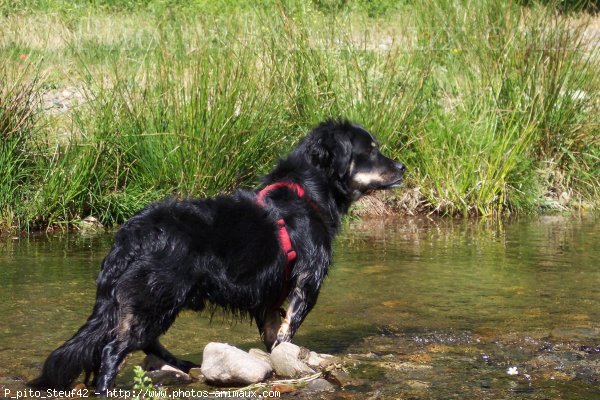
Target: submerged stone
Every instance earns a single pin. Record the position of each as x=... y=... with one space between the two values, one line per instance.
x=162 y=373
x=168 y=377
x=284 y=388
x=339 y=377
x=320 y=385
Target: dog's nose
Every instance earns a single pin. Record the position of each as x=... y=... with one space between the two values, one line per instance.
x=400 y=167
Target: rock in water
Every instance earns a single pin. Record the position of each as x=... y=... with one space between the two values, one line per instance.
x=153 y=363
x=196 y=373
x=321 y=361
x=287 y=361
x=165 y=377
x=162 y=373
x=227 y=365
x=261 y=355
x=320 y=385
x=338 y=377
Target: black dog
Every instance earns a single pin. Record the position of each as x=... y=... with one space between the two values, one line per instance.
x=247 y=252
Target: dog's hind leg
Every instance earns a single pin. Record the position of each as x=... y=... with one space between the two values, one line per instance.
x=113 y=355
x=157 y=349
x=131 y=334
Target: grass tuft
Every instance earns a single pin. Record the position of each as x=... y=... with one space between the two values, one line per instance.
x=18 y=123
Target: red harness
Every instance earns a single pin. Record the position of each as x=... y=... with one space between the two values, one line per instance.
x=283 y=234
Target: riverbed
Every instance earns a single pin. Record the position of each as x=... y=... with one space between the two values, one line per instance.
x=417 y=308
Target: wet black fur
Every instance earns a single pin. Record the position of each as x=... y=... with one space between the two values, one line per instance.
x=224 y=251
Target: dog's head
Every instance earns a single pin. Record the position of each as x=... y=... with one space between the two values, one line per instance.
x=349 y=154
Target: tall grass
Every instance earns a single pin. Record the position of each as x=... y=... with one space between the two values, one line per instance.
x=18 y=115
x=493 y=106
x=516 y=91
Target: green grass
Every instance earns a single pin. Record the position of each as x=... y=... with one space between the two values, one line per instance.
x=492 y=105
x=512 y=96
x=17 y=123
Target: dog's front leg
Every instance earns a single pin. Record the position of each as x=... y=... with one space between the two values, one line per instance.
x=302 y=301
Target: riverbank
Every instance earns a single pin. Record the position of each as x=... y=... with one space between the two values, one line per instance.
x=493 y=106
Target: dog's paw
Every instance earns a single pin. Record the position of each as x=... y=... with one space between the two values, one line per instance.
x=275 y=344
x=284 y=333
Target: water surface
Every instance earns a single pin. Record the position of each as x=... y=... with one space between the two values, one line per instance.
x=424 y=309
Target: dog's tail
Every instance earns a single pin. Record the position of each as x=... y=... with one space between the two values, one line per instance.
x=80 y=353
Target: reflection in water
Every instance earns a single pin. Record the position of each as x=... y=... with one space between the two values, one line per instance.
x=426 y=308
x=526 y=277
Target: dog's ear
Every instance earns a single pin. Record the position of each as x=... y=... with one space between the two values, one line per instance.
x=331 y=152
x=342 y=156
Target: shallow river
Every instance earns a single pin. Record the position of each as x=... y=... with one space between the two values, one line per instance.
x=419 y=309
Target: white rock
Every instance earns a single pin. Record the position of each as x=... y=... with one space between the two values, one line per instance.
x=287 y=361
x=261 y=355
x=227 y=365
x=313 y=360
x=328 y=360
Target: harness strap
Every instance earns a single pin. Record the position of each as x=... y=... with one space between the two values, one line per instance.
x=284 y=237
x=285 y=241
x=260 y=199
